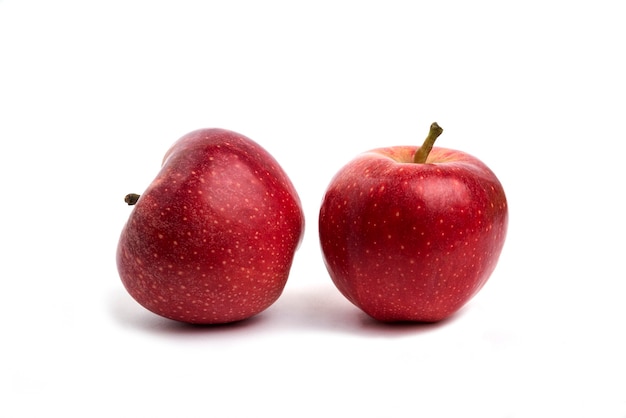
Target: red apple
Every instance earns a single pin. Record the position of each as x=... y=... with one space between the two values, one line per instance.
x=213 y=237
x=412 y=233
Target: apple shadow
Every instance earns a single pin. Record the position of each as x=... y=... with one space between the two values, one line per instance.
x=313 y=308
x=323 y=308
x=129 y=314
x=372 y=326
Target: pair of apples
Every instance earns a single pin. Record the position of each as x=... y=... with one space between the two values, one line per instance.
x=407 y=233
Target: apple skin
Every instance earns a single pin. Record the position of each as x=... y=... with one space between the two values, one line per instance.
x=405 y=241
x=213 y=237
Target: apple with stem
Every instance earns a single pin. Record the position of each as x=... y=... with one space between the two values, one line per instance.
x=213 y=237
x=412 y=233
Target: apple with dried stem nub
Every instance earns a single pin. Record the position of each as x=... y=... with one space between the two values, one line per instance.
x=213 y=237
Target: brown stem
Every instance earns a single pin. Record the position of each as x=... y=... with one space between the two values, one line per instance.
x=422 y=153
x=131 y=198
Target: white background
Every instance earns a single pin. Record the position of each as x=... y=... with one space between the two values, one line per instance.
x=93 y=93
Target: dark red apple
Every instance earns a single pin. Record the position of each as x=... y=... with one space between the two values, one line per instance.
x=213 y=238
x=412 y=233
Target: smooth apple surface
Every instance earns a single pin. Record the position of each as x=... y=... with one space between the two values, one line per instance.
x=408 y=241
x=213 y=238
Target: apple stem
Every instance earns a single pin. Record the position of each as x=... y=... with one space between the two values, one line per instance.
x=131 y=198
x=422 y=153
